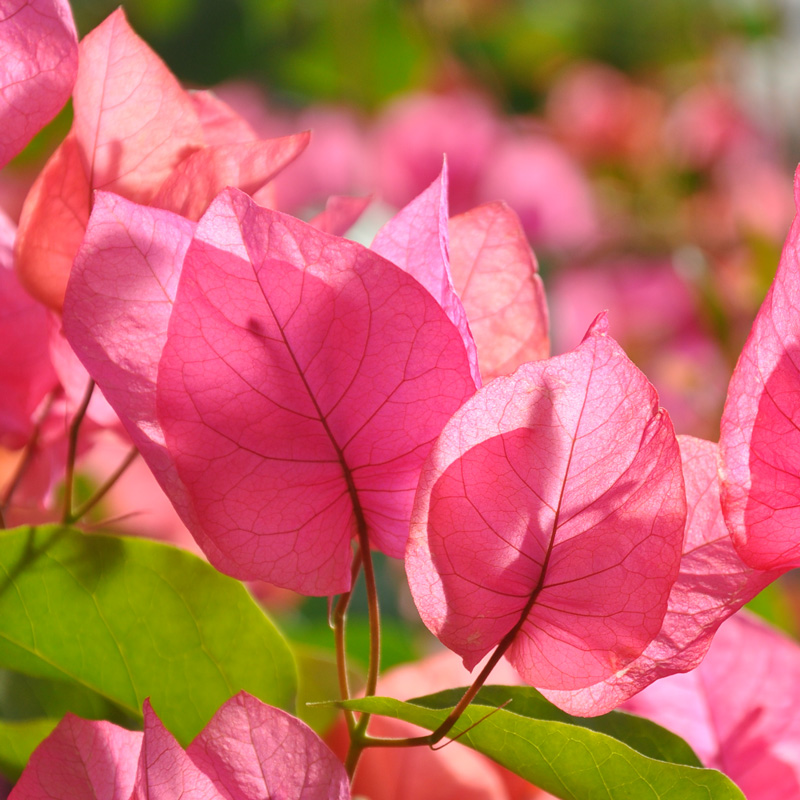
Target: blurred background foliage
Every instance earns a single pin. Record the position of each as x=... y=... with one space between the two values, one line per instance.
x=362 y=52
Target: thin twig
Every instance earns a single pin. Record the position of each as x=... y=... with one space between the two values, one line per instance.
x=339 y=618
x=74 y=430
x=104 y=489
x=358 y=736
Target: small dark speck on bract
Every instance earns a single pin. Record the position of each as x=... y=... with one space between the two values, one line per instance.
x=255 y=326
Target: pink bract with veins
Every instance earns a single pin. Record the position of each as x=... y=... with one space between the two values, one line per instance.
x=248 y=751
x=552 y=509
x=496 y=276
x=292 y=359
x=137 y=133
x=759 y=435
x=38 y=65
x=713 y=584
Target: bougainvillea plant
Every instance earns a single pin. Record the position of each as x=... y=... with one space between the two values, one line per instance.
x=304 y=400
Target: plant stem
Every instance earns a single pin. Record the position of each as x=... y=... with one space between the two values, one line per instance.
x=104 y=489
x=27 y=455
x=74 y=430
x=359 y=734
x=339 y=617
x=468 y=696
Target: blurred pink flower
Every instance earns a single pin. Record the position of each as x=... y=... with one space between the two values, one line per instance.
x=600 y=113
x=413 y=133
x=546 y=188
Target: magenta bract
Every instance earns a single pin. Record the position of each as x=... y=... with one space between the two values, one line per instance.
x=82 y=758
x=759 y=436
x=38 y=65
x=553 y=501
x=300 y=386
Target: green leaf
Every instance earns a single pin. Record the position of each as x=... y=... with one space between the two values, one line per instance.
x=613 y=757
x=132 y=618
x=18 y=740
x=318 y=685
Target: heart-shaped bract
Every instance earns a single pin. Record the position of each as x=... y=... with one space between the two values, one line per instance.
x=296 y=394
x=551 y=510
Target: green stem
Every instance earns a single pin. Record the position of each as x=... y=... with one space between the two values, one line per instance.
x=74 y=430
x=359 y=734
x=339 y=618
x=104 y=489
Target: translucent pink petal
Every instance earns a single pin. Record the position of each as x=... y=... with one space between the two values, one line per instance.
x=133 y=122
x=165 y=771
x=251 y=750
x=552 y=501
x=496 y=276
x=340 y=214
x=81 y=758
x=713 y=584
x=759 y=434
x=26 y=374
x=197 y=180
x=38 y=65
x=416 y=240
x=220 y=123
x=52 y=223
x=738 y=709
x=116 y=314
x=303 y=382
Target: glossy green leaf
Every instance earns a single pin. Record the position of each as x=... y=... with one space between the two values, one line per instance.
x=131 y=618
x=613 y=757
x=18 y=740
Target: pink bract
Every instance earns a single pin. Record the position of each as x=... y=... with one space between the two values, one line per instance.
x=738 y=709
x=552 y=506
x=759 y=437
x=713 y=584
x=137 y=133
x=496 y=276
x=303 y=381
x=416 y=240
x=251 y=750
x=247 y=751
x=82 y=758
x=38 y=65
x=293 y=359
